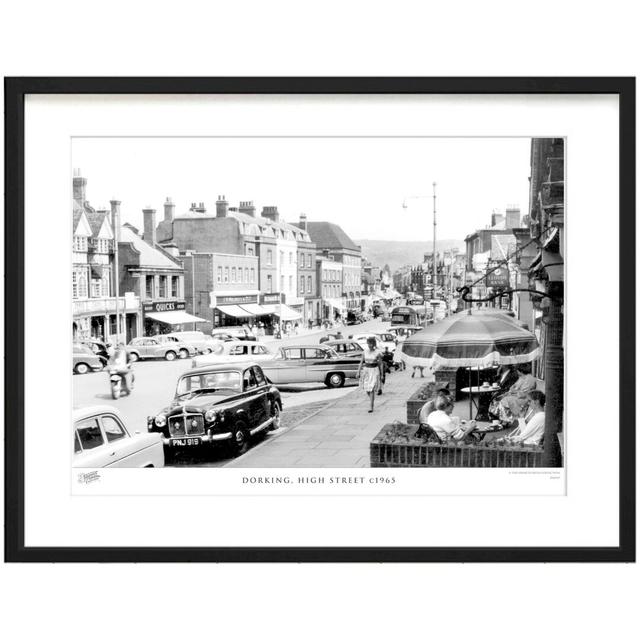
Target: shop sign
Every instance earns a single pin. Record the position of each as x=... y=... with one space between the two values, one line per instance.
x=159 y=307
x=220 y=300
x=498 y=279
x=270 y=298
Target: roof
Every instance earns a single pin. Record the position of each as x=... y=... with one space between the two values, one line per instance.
x=267 y=222
x=149 y=256
x=80 y=413
x=96 y=219
x=328 y=235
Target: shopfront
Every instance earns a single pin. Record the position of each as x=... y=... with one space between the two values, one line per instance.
x=168 y=316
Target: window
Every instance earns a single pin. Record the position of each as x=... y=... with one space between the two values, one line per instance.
x=74 y=284
x=149 y=287
x=238 y=350
x=309 y=260
x=233 y=274
x=282 y=257
x=246 y=274
x=318 y=354
x=290 y=283
x=281 y=283
x=290 y=257
x=258 y=349
x=105 y=284
x=79 y=243
x=257 y=371
x=269 y=284
x=248 y=380
x=82 y=285
x=174 y=286
x=249 y=250
x=269 y=257
x=309 y=284
x=294 y=354
x=226 y=274
x=219 y=275
x=96 y=288
x=301 y=285
x=89 y=434
x=112 y=429
x=253 y=275
x=163 y=287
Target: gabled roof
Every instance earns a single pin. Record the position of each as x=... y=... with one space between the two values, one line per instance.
x=328 y=235
x=81 y=225
x=96 y=219
x=149 y=256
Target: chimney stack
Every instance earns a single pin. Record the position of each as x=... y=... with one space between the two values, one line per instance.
x=303 y=221
x=271 y=213
x=222 y=206
x=115 y=218
x=247 y=207
x=496 y=218
x=513 y=217
x=169 y=210
x=149 y=216
x=79 y=187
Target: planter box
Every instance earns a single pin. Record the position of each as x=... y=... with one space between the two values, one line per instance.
x=417 y=400
x=396 y=446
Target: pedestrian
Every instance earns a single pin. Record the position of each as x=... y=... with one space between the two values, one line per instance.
x=295 y=329
x=371 y=363
x=310 y=323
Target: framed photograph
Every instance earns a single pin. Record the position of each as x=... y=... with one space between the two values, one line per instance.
x=320 y=319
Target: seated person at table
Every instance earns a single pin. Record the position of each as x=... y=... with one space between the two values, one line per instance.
x=530 y=429
x=430 y=406
x=446 y=426
x=507 y=376
x=508 y=407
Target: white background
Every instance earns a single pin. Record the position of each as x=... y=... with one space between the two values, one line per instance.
x=330 y=39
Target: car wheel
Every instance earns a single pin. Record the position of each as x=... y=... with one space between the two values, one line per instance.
x=276 y=415
x=81 y=368
x=134 y=357
x=170 y=355
x=183 y=354
x=240 y=439
x=335 y=380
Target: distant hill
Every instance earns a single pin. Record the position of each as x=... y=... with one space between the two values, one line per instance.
x=395 y=253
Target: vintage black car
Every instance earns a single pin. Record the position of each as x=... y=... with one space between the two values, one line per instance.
x=223 y=404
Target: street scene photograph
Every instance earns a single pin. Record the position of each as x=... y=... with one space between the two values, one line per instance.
x=318 y=302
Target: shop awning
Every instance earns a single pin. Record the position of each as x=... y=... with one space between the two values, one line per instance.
x=174 y=317
x=287 y=312
x=234 y=310
x=256 y=309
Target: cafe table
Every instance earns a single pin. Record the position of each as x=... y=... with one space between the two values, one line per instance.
x=483 y=394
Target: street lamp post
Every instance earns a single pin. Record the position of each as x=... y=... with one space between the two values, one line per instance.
x=115 y=221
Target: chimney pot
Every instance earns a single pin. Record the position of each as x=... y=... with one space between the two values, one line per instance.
x=222 y=207
x=169 y=210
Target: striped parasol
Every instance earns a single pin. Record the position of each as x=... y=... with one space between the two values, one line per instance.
x=470 y=340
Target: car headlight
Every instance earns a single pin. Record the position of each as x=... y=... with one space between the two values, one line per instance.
x=160 y=420
x=210 y=415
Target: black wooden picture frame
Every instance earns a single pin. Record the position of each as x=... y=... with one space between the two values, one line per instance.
x=15 y=91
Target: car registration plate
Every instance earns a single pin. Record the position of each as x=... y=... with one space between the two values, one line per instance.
x=185 y=442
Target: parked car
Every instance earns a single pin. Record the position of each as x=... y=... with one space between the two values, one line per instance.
x=201 y=341
x=218 y=404
x=159 y=347
x=310 y=363
x=232 y=333
x=382 y=340
x=85 y=360
x=403 y=332
x=98 y=347
x=331 y=336
x=354 y=317
x=236 y=351
x=100 y=439
x=346 y=348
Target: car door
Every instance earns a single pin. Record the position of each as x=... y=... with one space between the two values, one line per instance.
x=89 y=444
x=148 y=347
x=288 y=367
x=255 y=401
x=318 y=362
x=121 y=449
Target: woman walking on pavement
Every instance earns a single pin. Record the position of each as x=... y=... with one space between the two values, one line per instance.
x=371 y=362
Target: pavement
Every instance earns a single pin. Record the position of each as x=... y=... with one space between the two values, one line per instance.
x=339 y=434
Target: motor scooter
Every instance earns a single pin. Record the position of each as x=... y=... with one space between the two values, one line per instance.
x=121 y=380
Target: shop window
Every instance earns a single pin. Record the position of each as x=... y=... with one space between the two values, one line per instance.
x=219 y=275
x=149 y=287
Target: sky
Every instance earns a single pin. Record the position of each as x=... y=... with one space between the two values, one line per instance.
x=358 y=183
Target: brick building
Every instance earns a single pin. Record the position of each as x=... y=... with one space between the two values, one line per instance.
x=307 y=274
x=330 y=278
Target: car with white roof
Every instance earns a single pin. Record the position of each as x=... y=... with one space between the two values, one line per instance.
x=382 y=340
x=236 y=351
x=101 y=439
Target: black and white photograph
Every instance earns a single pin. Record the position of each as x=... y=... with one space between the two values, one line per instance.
x=318 y=302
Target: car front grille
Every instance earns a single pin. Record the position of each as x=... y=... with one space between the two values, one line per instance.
x=186 y=425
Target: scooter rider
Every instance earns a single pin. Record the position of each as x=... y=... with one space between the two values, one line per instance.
x=120 y=362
